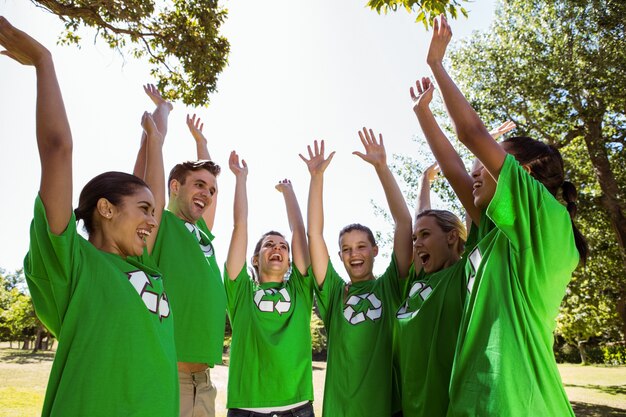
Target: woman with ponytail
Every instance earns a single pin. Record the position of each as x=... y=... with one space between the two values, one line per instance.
x=105 y=306
x=518 y=271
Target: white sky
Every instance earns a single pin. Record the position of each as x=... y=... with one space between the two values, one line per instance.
x=298 y=71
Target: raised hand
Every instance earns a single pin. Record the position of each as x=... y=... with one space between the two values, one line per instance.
x=155 y=95
x=284 y=186
x=431 y=172
x=374 y=150
x=237 y=168
x=442 y=33
x=149 y=126
x=505 y=127
x=20 y=46
x=195 y=126
x=424 y=96
x=316 y=163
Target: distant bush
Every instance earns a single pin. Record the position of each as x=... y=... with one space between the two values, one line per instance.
x=614 y=353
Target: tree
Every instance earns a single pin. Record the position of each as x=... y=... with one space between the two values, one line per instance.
x=558 y=69
x=180 y=38
x=18 y=321
x=426 y=10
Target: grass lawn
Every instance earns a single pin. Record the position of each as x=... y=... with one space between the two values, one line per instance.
x=595 y=391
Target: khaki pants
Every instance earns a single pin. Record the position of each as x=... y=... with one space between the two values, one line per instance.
x=197 y=394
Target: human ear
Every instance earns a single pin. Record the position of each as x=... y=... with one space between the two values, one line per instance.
x=453 y=237
x=375 y=250
x=527 y=168
x=105 y=208
x=174 y=186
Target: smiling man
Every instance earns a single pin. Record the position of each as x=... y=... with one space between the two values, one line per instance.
x=184 y=254
x=183 y=250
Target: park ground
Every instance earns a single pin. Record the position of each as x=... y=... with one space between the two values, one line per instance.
x=595 y=391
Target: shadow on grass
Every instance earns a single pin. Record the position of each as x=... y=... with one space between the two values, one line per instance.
x=608 y=389
x=25 y=356
x=595 y=410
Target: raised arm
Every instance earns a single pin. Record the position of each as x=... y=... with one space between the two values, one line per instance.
x=160 y=117
x=449 y=161
x=154 y=173
x=469 y=128
x=299 y=247
x=376 y=155
x=317 y=164
x=54 y=138
x=504 y=128
x=195 y=126
x=236 y=258
x=423 y=190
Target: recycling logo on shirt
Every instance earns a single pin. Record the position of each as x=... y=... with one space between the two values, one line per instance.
x=201 y=236
x=475 y=259
x=362 y=307
x=156 y=303
x=273 y=299
x=417 y=295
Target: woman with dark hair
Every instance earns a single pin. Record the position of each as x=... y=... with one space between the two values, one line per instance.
x=107 y=309
x=270 y=371
x=527 y=249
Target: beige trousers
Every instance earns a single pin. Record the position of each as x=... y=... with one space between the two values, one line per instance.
x=197 y=394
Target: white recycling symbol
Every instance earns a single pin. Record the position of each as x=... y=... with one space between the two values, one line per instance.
x=373 y=313
x=206 y=249
x=280 y=306
x=475 y=259
x=405 y=311
x=156 y=304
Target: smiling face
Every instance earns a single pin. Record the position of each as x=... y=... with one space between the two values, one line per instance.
x=357 y=254
x=190 y=199
x=484 y=185
x=434 y=248
x=126 y=225
x=272 y=260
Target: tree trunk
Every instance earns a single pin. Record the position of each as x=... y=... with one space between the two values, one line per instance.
x=582 y=350
x=39 y=334
x=610 y=199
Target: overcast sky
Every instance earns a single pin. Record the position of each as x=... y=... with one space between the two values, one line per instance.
x=298 y=71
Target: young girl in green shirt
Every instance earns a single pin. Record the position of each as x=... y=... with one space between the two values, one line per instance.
x=270 y=371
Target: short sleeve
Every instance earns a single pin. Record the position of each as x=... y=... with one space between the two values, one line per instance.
x=525 y=211
x=236 y=289
x=391 y=281
x=51 y=268
x=327 y=292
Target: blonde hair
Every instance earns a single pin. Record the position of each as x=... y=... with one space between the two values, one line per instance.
x=448 y=221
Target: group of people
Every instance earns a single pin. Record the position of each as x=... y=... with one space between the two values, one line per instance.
x=459 y=324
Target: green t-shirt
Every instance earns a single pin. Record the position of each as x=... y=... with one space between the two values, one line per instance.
x=359 y=323
x=427 y=326
x=116 y=354
x=270 y=352
x=185 y=254
x=504 y=363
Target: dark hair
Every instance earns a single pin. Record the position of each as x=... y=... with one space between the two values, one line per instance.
x=180 y=171
x=257 y=248
x=447 y=221
x=546 y=166
x=113 y=186
x=361 y=228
